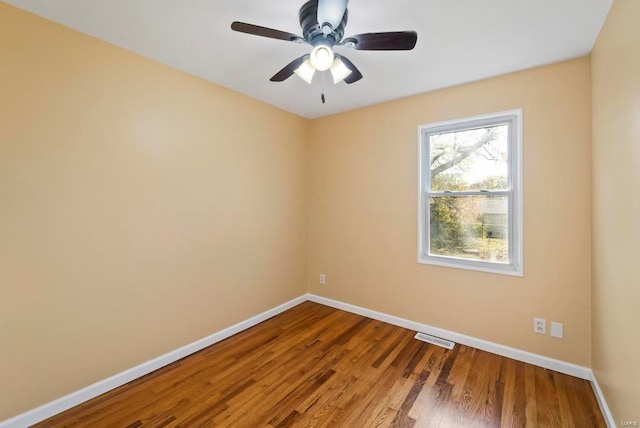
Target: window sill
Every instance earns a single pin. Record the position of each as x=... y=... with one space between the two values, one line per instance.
x=471 y=265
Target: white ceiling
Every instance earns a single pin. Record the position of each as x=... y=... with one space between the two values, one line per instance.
x=458 y=41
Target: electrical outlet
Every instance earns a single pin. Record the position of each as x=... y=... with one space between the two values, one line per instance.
x=323 y=279
x=540 y=325
x=557 y=329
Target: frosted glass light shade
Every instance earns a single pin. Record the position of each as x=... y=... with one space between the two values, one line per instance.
x=331 y=12
x=339 y=71
x=305 y=71
x=321 y=57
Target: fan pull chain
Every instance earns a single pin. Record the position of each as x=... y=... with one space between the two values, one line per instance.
x=322 y=95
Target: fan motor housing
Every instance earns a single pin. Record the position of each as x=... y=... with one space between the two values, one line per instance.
x=311 y=30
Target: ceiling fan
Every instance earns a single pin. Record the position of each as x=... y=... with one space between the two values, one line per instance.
x=323 y=23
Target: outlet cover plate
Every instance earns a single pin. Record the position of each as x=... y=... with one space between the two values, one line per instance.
x=540 y=325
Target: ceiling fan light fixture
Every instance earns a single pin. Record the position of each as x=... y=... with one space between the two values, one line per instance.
x=321 y=57
x=305 y=71
x=339 y=70
x=323 y=25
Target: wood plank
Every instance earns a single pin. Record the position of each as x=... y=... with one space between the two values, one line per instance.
x=317 y=366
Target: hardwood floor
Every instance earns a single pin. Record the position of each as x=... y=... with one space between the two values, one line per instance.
x=318 y=366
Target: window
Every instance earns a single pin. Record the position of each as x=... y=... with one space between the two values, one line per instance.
x=470 y=193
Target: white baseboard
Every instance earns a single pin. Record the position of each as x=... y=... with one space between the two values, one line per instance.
x=608 y=417
x=68 y=401
x=495 y=348
x=64 y=403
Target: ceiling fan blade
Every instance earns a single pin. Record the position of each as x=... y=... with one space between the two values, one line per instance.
x=355 y=73
x=257 y=30
x=389 y=41
x=288 y=69
x=331 y=12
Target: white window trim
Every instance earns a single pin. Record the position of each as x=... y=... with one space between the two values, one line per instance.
x=515 y=268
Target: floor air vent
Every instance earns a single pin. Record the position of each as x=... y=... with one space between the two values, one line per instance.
x=435 y=340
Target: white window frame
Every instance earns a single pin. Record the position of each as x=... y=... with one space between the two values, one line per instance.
x=514 y=193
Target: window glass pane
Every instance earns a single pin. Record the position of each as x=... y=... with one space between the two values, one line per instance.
x=472 y=159
x=469 y=227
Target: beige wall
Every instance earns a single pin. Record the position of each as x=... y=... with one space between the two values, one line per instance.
x=363 y=213
x=140 y=209
x=616 y=209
